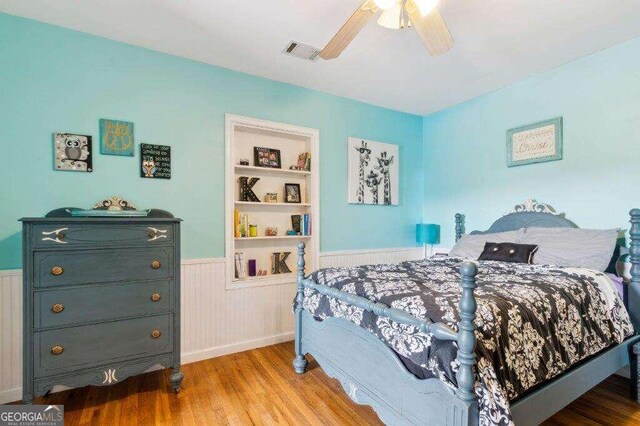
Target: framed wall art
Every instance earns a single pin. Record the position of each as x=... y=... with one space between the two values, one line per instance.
x=373 y=172
x=155 y=161
x=116 y=137
x=266 y=157
x=292 y=193
x=72 y=152
x=535 y=143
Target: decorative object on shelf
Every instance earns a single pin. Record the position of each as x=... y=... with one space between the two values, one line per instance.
x=155 y=161
x=428 y=234
x=375 y=165
x=73 y=152
x=280 y=263
x=271 y=197
x=292 y=193
x=252 y=267
x=304 y=162
x=271 y=231
x=246 y=191
x=114 y=203
x=295 y=223
x=116 y=137
x=262 y=272
x=253 y=230
x=244 y=162
x=266 y=157
x=243 y=225
x=535 y=143
x=291 y=233
x=236 y=223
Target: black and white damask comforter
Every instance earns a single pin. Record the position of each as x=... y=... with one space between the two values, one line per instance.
x=534 y=321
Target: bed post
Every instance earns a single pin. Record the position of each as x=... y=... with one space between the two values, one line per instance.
x=299 y=363
x=466 y=335
x=633 y=304
x=459 y=226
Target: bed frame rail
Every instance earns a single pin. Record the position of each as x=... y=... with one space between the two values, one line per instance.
x=465 y=336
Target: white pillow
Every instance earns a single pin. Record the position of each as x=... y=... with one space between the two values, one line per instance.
x=574 y=247
x=471 y=246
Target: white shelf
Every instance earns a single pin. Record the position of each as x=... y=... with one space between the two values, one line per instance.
x=253 y=203
x=277 y=237
x=269 y=170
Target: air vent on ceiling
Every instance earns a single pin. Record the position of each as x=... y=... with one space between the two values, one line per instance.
x=301 y=50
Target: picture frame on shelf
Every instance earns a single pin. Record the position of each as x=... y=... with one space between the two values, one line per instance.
x=271 y=197
x=267 y=157
x=292 y=193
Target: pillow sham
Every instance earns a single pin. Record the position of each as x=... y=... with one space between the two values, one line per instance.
x=508 y=252
x=574 y=247
x=471 y=246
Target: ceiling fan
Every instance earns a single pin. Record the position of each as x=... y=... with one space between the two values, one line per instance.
x=396 y=14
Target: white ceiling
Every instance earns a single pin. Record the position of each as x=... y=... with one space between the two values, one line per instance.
x=497 y=42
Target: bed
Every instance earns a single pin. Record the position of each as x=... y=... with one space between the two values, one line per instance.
x=375 y=371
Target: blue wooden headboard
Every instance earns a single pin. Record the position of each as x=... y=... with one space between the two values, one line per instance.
x=525 y=215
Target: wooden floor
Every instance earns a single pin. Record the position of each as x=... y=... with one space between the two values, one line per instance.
x=259 y=387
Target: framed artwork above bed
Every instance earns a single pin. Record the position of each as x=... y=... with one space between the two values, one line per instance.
x=373 y=172
x=535 y=143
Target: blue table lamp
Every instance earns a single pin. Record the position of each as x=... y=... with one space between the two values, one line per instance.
x=428 y=233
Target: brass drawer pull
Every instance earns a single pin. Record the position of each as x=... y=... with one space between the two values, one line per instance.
x=155 y=334
x=57 y=270
x=156 y=297
x=155 y=264
x=57 y=308
x=57 y=350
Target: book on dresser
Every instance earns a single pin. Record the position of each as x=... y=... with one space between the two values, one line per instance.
x=101 y=299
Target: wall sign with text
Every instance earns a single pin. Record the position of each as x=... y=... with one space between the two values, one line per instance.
x=155 y=161
x=535 y=143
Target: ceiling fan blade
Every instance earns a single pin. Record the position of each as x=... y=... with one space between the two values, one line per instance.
x=431 y=28
x=349 y=30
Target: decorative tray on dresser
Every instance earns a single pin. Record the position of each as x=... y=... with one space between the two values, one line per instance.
x=101 y=299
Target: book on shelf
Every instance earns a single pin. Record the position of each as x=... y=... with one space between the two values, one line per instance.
x=241 y=273
x=301 y=223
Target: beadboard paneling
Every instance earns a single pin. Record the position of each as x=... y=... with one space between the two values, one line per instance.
x=10 y=335
x=369 y=257
x=215 y=321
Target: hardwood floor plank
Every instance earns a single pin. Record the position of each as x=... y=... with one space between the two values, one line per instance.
x=259 y=387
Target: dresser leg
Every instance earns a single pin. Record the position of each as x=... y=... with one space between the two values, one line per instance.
x=176 y=379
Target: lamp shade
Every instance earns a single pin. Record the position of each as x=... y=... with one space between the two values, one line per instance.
x=427 y=233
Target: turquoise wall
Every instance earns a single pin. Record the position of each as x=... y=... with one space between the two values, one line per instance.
x=53 y=79
x=596 y=183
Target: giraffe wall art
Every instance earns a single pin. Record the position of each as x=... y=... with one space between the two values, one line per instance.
x=373 y=172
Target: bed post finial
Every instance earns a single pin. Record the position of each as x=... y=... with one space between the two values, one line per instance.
x=299 y=362
x=466 y=333
x=459 y=226
x=634 y=257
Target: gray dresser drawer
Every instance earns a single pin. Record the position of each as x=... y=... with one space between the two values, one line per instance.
x=77 y=305
x=73 y=348
x=94 y=266
x=79 y=235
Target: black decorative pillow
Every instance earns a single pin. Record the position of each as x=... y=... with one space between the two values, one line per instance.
x=614 y=259
x=508 y=252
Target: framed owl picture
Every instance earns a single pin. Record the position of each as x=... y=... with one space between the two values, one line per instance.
x=72 y=152
x=155 y=161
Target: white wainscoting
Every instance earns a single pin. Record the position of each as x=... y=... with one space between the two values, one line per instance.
x=215 y=321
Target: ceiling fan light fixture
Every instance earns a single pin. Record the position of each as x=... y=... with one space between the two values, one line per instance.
x=426 y=6
x=392 y=18
x=385 y=4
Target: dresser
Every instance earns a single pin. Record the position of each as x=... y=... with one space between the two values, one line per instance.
x=101 y=300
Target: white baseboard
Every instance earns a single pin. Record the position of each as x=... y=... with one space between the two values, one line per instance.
x=201 y=355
